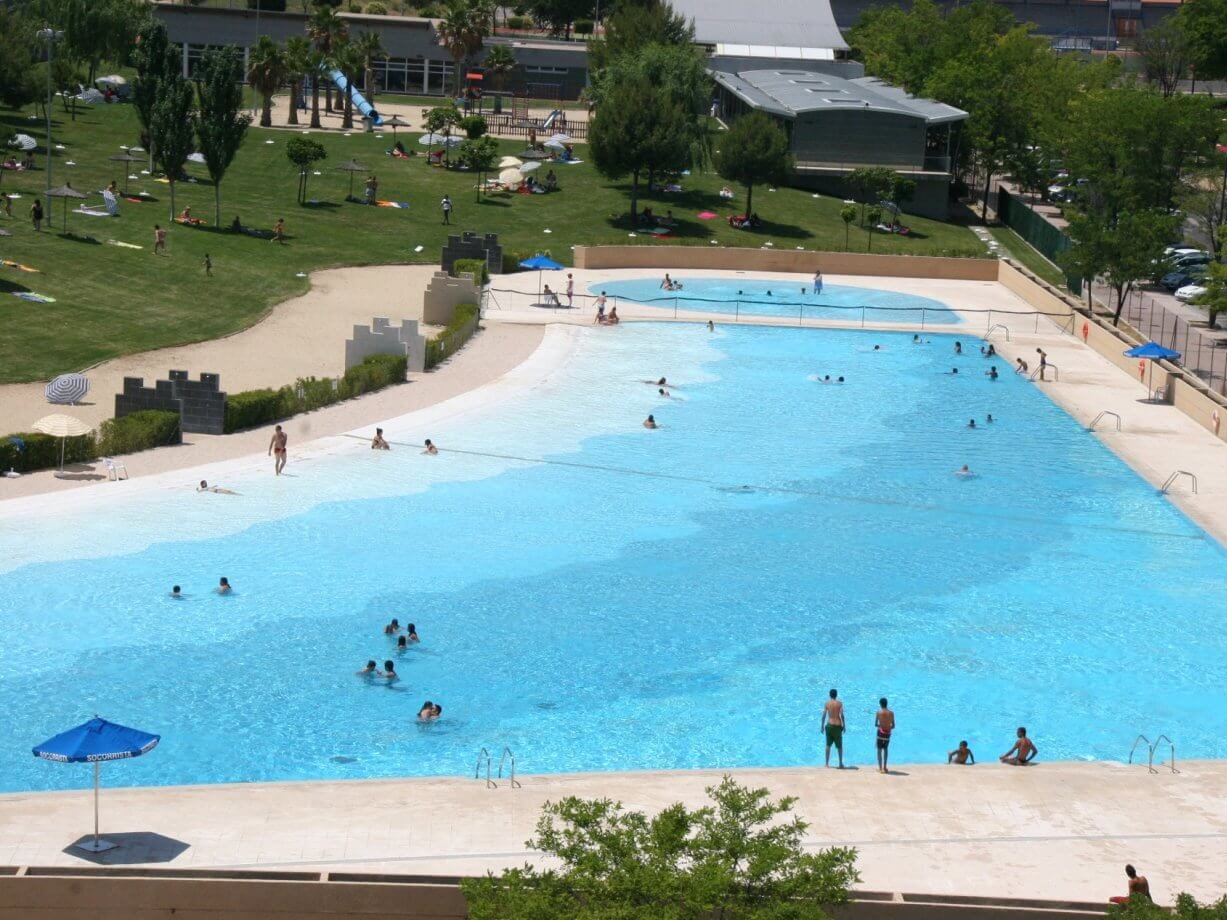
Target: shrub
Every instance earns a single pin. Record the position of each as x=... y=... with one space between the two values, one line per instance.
x=355 y=6
x=138 y=431
x=42 y=451
x=519 y=22
x=454 y=334
x=375 y=373
x=474 y=126
x=252 y=408
x=583 y=27
x=475 y=267
x=429 y=11
x=512 y=260
x=376 y=9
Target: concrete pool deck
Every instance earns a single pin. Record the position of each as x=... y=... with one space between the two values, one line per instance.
x=1054 y=830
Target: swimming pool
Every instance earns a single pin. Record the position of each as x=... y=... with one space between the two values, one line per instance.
x=629 y=605
x=793 y=298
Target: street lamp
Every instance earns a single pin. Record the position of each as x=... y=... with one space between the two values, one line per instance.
x=50 y=36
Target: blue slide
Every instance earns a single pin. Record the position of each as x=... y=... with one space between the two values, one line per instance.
x=360 y=103
x=553 y=117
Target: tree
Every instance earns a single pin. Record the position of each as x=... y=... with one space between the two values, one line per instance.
x=872 y=219
x=462 y=30
x=316 y=62
x=1202 y=24
x=19 y=85
x=742 y=856
x=637 y=131
x=480 y=155
x=154 y=64
x=1187 y=908
x=297 y=64
x=474 y=126
x=1165 y=54
x=500 y=61
x=847 y=214
x=326 y=29
x=442 y=119
x=348 y=58
x=633 y=27
x=870 y=184
x=370 y=49
x=1124 y=250
x=266 y=72
x=755 y=150
x=559 y=14
x=304 y=153
x=173 y=129
x=1214 y=300
x=222 y=124
x=1204 y=198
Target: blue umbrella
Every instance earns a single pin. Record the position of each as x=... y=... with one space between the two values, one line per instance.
x=540 y=263
x=1154 y=352
x=93 y=742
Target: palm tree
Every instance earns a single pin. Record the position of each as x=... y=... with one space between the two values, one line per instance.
x=326 y=29
x=266 y=72
x=316 y=60
x=297 y=60
x=370 y=46
x=499 y=62
x=461 y=31
x=347 y=57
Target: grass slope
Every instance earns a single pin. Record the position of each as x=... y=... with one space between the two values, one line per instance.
x=112 y=301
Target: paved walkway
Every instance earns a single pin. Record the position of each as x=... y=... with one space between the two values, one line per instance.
x=1048 y=831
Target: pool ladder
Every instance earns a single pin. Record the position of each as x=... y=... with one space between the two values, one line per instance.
x=508 y=758
x=1150 y=752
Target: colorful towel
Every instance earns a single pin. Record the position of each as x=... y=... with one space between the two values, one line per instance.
x=190 y=222
x=9 y=263
x=123 y=244
x=33 y=298
x=90 y=212
x=403 y=205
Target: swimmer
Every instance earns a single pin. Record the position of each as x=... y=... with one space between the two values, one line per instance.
x=991 y=373
x=768 y=293
x=369 y=671
x=989 y=420
x=430 y=448
x=176 y=593
x=954 y=371
x=971 y=423
x=916 y=340
x=392 y=628
x=411 y=633
x=1020 y=366
x=711 y=327
x=958 y=348
x=650 y=422
x=401 y=643
x=205 y=487
x=663 y=392
x=389 y=672
x=961 y=755
x=964 y=471
x=839 y=379
x=989 y=352
x=877 y=347
x=223 y=585
x=378 y=443
x=429 y=712
x=667 y=284
x=662 y=382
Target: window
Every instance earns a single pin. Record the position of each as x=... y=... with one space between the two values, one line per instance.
x=540 y=69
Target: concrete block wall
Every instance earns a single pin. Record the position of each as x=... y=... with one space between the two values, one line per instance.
x=201 y=404
x=444 y=294
x=137 y=397
x=471 y=246
x=383 y=338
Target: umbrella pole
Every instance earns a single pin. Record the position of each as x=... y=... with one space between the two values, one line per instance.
x=96 y=784
x=97 y=844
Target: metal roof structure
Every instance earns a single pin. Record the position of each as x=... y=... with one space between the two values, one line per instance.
x=789 y=93
x=790 y=25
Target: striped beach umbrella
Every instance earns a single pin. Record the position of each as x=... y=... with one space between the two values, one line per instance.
x=67 y=389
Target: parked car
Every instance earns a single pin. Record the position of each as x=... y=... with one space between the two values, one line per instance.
x=1181 y=277
x=1190 y=292
x=1189 y=259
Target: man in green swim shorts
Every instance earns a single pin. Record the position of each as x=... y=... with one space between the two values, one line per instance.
x=833 y=726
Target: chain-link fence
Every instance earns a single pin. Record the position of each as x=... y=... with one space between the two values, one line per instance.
x=1046 y=239
x=1201 y=354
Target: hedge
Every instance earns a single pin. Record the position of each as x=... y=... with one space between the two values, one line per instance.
x=454 y=334
x=127 y=435
x=519 y=22
x=252 y=408
x=512 y=260
x=475 y=267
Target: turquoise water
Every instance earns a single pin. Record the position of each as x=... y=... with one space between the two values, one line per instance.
x=793 y=298
x=629 y=605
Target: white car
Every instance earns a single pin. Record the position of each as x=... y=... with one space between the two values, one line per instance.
x=1190 y=292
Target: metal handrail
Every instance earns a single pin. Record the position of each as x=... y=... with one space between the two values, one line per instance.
x=1172 y=754
x=1135 y=746
x=1172 y=479
x=1095 y=421
x=490 y=784
x=507 y=752
x=996 y=327
x=1056 y=372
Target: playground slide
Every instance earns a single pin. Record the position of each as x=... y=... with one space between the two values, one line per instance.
x=360 y=103
x=553 y=117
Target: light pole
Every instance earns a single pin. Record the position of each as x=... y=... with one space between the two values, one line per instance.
x=50 y=36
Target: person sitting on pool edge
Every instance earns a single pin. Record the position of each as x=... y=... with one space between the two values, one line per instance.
x=650 y=422
x=961 y=755
x=1023 y=752
x=378 y=443
x=369 y=671
x=223 y=585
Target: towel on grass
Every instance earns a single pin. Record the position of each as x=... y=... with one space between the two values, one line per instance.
x=33 y=298
x=9 y=263
x=403 y=205
x=123 y=244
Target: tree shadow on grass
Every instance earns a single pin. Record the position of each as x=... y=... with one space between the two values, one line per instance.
x=768 y=229
x=73 y=237
x=494 y=203
x=317 y=205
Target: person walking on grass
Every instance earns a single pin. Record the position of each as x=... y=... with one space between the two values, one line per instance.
x=36 y=214
x=446 y=205
x=208 y=266
x=159 y=240
x=278 y=231
x=833 y=727
x=884 y=722
x=276 y=445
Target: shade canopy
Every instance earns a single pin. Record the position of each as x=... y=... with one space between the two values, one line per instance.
x=95 y=741
x=64 y=191
x=530 y=166
x=353 y=166
x=67 y=389
x=111 y=80
x=508 y=162
x=511 y=176
x=554 y=145
x=1152 y=350
x=540 y=262
x=396 y=122
x=197 y=157
x=23 y=142
x=126 y=158
x=62 y=426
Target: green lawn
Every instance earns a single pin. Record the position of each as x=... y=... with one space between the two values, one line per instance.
x=1022 y=251
x=112 y=300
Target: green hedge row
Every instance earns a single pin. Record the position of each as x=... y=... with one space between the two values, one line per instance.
x=454 y=335
x=252 y=408
x=127 y=435
x=475 y=267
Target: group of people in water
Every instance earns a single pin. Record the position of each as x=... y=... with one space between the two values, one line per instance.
x=429 y=710
x=223 y=588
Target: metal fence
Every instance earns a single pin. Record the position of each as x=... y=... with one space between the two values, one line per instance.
x=1046 y=239
x=1201 y=354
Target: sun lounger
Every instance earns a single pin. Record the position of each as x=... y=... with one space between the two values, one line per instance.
x=114 y=468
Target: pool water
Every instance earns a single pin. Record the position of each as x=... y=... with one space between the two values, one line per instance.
x=792 y=298
x=647 y=599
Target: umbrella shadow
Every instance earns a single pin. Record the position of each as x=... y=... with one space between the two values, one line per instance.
x=134 y=848
x=74 y=237
x=12 y=287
